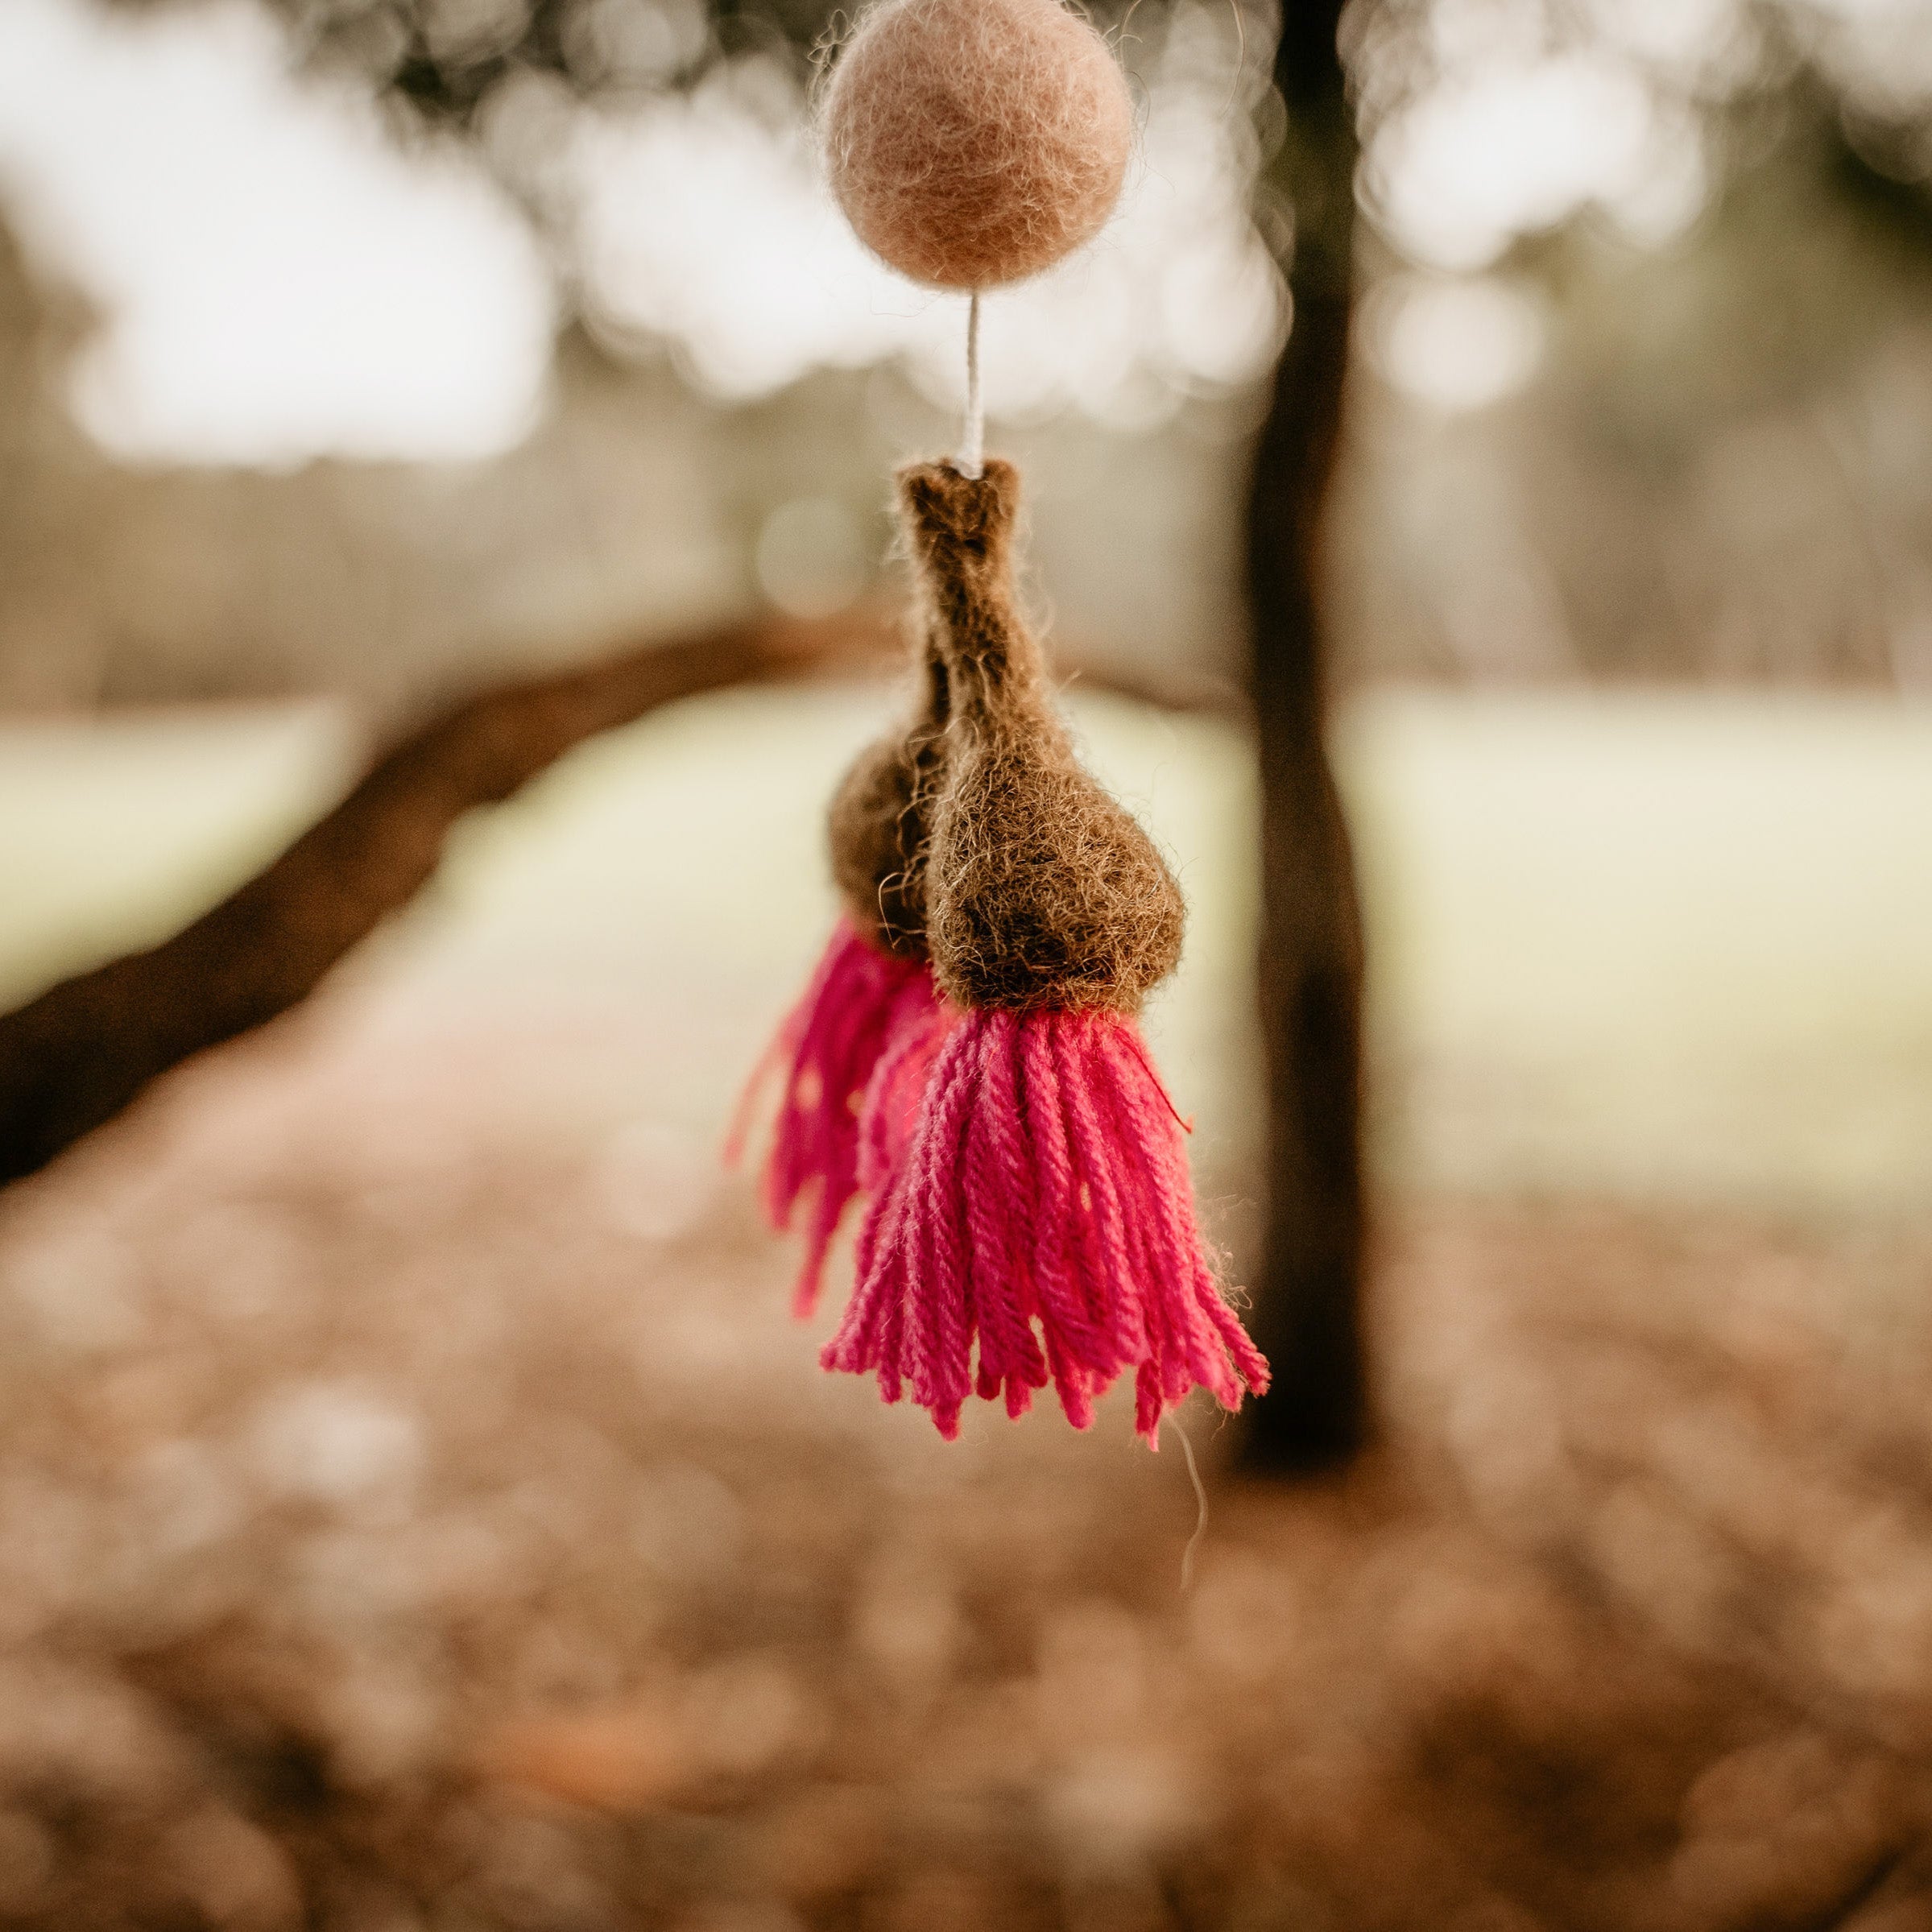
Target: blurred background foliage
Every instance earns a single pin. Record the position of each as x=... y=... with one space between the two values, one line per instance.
x=575 y=349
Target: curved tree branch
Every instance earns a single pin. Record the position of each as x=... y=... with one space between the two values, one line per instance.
x=75 y=1056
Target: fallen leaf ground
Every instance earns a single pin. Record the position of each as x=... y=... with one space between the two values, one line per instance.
x=417 y=1513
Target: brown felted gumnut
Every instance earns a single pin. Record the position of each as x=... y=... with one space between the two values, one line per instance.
x=877 y=825
x=972 y=142
x=1040 y=890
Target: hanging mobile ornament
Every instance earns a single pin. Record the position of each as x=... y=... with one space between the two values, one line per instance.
x=976 y=1068
x=970 y=143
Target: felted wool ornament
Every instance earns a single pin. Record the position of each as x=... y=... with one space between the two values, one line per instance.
x=973 y=142
x=872 y=989
x=1040 y=1211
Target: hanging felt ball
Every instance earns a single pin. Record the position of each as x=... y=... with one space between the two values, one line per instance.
x=974 y=142
x=848 y=1048
x=1039 y=1217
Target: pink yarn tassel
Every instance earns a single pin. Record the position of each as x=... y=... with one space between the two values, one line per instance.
x=834 y=1043
x=1042 y=1210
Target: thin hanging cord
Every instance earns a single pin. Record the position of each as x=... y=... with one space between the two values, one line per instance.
x=1194 y=1476
x=972 y=450
x=1234 y=86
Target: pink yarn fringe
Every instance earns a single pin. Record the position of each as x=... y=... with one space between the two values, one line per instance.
x=1039 y=1204
x=850 y=1027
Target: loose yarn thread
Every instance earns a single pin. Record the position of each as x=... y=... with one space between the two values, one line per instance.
x=859 y=1002
x=1194 y=1476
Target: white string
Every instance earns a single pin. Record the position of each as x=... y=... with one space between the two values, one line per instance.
x=972 y=450
x=1193 y=1475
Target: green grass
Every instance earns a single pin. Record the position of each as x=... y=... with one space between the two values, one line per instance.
x=1672 y=946
x=113 y=833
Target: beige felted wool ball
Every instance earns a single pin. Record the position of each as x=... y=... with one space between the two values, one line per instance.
x=973 y=143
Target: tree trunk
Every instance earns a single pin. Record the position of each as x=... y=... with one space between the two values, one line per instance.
x=1308 y=1313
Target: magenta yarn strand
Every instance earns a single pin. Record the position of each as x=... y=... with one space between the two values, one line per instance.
x=942 y=1285
x=1063 y=1319
x=1004 y=1230
x=830 y=1045
x=1213 y=1352
x=1110 y=1284
x=1042 y=1219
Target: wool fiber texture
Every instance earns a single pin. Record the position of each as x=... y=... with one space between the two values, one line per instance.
x=876 y=828
x=858 y=1003
x=975 y=142
x=1041 y=1214
x=1040 y=890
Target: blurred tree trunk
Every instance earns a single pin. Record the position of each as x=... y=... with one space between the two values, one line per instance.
x=1308 y=1316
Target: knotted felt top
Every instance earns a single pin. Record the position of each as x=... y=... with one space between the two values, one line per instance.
x=1040 y=889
